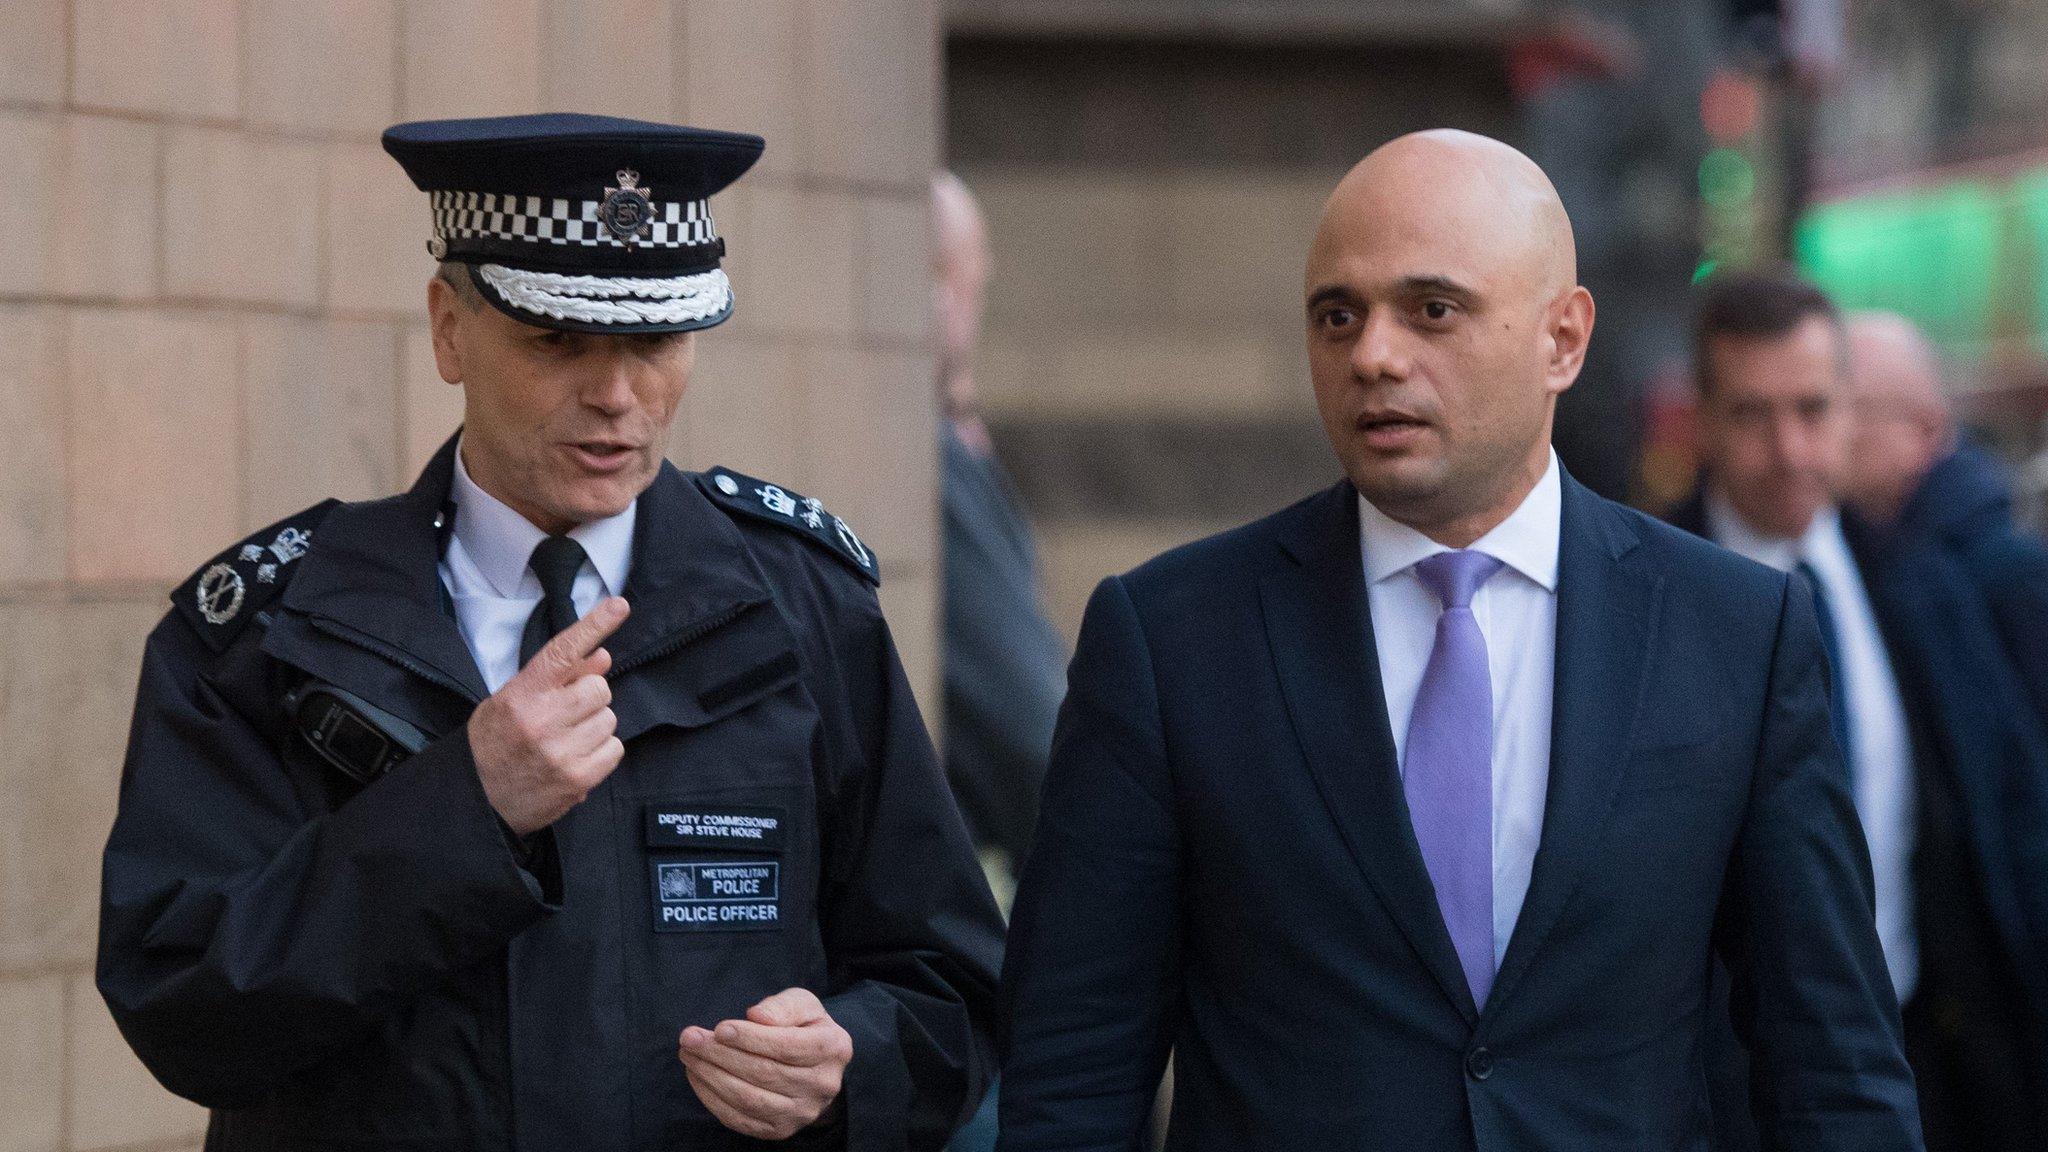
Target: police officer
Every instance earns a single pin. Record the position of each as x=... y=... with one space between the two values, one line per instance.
x=566 y=800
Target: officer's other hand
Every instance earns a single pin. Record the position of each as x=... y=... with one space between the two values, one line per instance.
x=545 y=739
x=774 y=1073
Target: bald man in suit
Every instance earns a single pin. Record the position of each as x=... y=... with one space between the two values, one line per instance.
x=1412 y=816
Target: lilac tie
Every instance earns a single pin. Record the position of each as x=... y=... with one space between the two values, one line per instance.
x=1448 y=777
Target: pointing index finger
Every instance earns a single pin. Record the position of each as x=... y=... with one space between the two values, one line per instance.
x=580 y=639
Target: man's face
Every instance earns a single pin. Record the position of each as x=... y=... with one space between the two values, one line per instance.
x=1891 y=447
x=1438 y=343
x=565 y=427
x=1898 y=416
x=1773 y=431
x=960 y=270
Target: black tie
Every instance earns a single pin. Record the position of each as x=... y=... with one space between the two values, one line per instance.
x=556 y=560
x=1838 y=676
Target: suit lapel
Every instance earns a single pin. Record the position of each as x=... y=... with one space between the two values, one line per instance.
x=1321 y=637
x=1607 y=607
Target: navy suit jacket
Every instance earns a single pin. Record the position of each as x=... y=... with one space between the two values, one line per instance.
x=1947 y=584
x=1226 y=871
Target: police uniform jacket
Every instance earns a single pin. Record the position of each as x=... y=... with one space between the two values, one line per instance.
x=332 y=965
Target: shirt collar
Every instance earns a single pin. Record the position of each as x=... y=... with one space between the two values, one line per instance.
x=500 y=541
x=1526 y=541
x=1822 y=541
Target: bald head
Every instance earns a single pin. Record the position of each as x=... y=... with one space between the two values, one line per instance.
x=1902 y=426
x=1468 y=192
x=1891 y=362
x=960 y=269
x=1445 y=318
x=959 y=234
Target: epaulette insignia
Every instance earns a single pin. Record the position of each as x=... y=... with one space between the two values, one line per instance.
x=228 y=591
x=804 y=515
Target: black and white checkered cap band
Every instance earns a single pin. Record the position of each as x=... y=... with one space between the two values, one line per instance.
x=546 y=220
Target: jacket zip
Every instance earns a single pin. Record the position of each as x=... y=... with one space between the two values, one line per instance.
x=679 y=639
x=343 y=632
x=697 y=630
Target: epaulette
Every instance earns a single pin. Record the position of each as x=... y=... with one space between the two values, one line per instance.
x=803 y=515
x=229 y=590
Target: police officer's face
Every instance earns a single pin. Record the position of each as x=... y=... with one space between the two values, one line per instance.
x=565 y=427
x=1443 y=322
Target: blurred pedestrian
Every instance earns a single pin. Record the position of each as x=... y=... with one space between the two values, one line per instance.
x=1941 y=747
x=1916 y=483
x=1411 y=816
x=1005 y=668
x=2032 y=512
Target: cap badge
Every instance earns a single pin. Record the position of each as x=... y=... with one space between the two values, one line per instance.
x=626 y=212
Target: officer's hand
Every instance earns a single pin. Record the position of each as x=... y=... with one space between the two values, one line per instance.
x=773 y=1074
x=544 y=740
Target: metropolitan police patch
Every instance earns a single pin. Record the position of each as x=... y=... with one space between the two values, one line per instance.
x=717 y=896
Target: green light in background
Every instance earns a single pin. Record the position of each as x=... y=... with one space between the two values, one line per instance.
x=1930 y=253
x=1707 y=268
x=1727 y=178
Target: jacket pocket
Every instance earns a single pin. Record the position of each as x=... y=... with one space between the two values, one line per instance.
x=720 y=895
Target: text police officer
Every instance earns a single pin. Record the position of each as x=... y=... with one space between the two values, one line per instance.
x=567 y=801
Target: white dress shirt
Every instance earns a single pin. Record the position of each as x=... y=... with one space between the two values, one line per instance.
x=1880 y=745
x=1517 y=614
x=485 y=572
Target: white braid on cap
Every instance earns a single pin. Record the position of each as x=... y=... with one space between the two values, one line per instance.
x=612 y=299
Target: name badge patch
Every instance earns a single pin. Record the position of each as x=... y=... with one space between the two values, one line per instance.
x=717 y=896
x=684 y=825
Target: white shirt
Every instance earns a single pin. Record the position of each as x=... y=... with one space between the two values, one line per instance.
x=1517 y=614
x=1880 y=745
x=485 y=571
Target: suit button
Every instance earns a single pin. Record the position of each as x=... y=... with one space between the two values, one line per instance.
x=1479 y=1063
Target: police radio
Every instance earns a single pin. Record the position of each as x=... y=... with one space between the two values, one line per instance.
x=357 y=737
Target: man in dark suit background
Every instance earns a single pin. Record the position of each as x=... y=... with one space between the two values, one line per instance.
x=1411 y=816
x=1005 y=667
x=1963 y=596
x=1946 y=762
x=1914 y=481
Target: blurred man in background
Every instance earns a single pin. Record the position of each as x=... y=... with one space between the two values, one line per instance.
x=1916 y=484
x=2032 y=513
x=1944 y=756
x=1005 y=668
